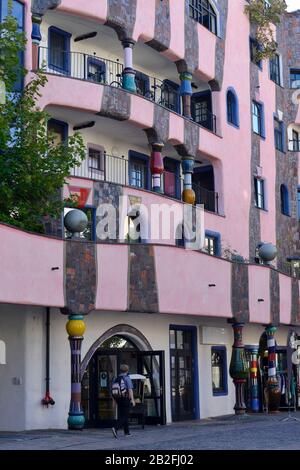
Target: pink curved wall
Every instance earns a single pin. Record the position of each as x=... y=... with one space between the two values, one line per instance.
x=207 y=56
x=176 y=50
x=259 y=288
x=145 y=23
x=182 y=280
x=285 y=289
x=25 y=269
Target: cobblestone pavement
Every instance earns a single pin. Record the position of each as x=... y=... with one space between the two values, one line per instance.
x=227 y=433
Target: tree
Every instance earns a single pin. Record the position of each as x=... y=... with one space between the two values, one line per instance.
x=263 y=14
x=33 y=168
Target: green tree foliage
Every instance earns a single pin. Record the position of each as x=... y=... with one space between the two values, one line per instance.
x=264 y=14
x=33 y=168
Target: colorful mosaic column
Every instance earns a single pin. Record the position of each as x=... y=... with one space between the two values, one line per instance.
x=273 y=387
x=238 y=368
x=156 y=167
x=186 y=93
x=254 y=392
x=188 y=195
x=36 y=38
x=128 y=72
x=75 y=328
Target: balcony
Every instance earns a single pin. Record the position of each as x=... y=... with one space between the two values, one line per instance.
x=88 y=67
x=119 y=170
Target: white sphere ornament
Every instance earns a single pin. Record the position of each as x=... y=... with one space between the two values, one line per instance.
x=75 y=221
x=267 y=252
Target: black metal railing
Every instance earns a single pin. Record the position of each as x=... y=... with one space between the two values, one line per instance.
x=294 y=146
x=206 y=119
x=210 y=199
x=115 y=169
x=107 y=72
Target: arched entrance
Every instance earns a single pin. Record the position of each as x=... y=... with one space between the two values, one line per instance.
x=121 y=344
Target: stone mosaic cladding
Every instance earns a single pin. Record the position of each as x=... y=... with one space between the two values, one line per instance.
x=40 y=7
x=287 y=228
x=162 y=32
x=216 y=84
x=121 y=16
x=191 y=139
x=240 y=292
x=108 y=193
x=80 y=270
x=295 y=312
x=274 y=297
x=115 y=104
x=191 y=56
x=254 y=212
x=143 y=296
x=160 y=130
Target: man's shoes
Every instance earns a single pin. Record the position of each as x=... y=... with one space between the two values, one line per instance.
x=128 y=434
x=115 y=434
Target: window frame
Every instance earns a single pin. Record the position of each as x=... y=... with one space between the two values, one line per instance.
x=294 y=72
x=261 y=118
x=232 y=114
x=258 y=195
x=279 y=135
x=285 y=200
x=176 y=164
x=64 y=125
x=198 y=12
x=98 y=63
x=275 y=69
x=254 y=43
x=173 y=88
x=66 y=70
x=216 y=239
x=222 y=350
x=133 y=155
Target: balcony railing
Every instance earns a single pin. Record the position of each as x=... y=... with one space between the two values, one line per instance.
x=210 y=199
x=294 y=146
x=113 y=169
x=107 y=72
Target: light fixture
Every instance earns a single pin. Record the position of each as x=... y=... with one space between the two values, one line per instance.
x=84 y=125
x=86 y=36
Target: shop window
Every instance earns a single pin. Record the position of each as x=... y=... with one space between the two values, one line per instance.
x=219 y=370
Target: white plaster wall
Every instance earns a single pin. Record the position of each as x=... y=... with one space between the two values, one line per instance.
x=20 y=405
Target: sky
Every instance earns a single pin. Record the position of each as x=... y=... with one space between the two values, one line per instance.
x=293 y=4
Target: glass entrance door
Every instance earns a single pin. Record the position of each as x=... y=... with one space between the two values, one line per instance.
x=151 y=364
x=182 y=375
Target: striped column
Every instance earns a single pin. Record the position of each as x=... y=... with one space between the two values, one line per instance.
x=254 y=392
x=36 y=38
x=273 y=386
x=188 y=195
x=75 y=328
x=156 y=167
x=186 y=93
x=128 y=72
x=238 y=368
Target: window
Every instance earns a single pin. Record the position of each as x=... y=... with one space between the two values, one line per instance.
x=219 y=370
x=284 y=200
x=298 y=203
x=254 y=48
x=232 y=108
x=171 y=177
x=212 y=243
x=139 y=170
x=96 y=70
x=18 y=13
x=96 y=163
x=279 y=134
x=59 y=50
x=203 y=12
x=258 y=124
x=170 y=97
x=275 y=69
x=295 y=140
x=202 y=110
x=142 y=83
x=259 y=193
x=59 y=130
x=295 y=78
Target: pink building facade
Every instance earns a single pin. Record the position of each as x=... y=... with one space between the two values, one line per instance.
x=174 y=112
